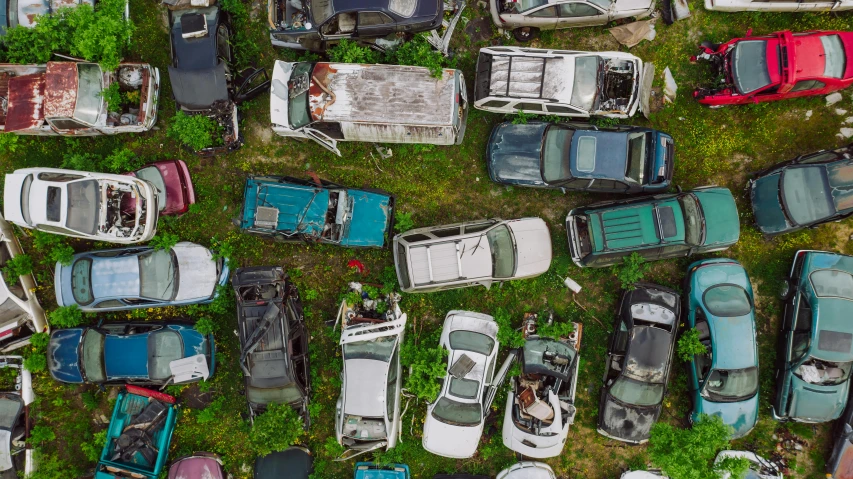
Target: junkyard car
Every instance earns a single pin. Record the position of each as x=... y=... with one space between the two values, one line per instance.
x=67 y=99
x=290 y=209
x=580 y=157
x=468 y=254
x=172 y=182
x=201 y=76
x=459 y=476
x=294 y=463
x=201 y=465
x=723 y=380
x=778 y=5
x=558 y=82
x=332 y=102
x=527 y=18
x=455 y=420
x=638 y=363
x=367 y=414
x=118 y=353
x=95 y=206
x=540 y=405
x=816 y=350
x=527 y=470
x=804 y=192
x=759 y=468
x=273 y=339
x=21 y=315
x=840 y=462
x=140 y=277
x=138 y=436
x=16 y=458
x=777 y=66
x=656 y=227
x=369 y=470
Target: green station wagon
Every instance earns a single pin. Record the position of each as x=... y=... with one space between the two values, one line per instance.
x=657 y=227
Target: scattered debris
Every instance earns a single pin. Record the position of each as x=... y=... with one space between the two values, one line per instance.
x=383 y=151
x=670 y=87
x=840 y=111
x=572 y=285
x=833 y=98
x=808 y=115
x=845 y=133
x=633 y=33
x=674 y=10
x=848 y=120
x=354 y=263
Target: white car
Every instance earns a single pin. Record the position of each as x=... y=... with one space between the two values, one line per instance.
x=778 y=5
x=15 y=456
x=367 y=414
x=759 y=468
x=21 y=315
x=95 y=206
x=527 y=470
x=454 y=421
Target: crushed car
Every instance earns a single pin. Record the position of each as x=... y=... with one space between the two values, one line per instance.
x=21 y=315
x=540 y=405
x=778 y=5
x=67 y=99
x=757 y=466
x=171 y=179
x=16 y=394
x=776 y=67
x=292 y=209
x=560 y=82
x=367 y=413
x=273 y=339
x=201 y=465
x=95 y=206
x=296 y=461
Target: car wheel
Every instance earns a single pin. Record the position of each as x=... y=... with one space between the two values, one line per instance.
x=525 y=34
x=785 y=290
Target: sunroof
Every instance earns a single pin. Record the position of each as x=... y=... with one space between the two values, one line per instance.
x=666 y=217
x=835 y=341
x=586 y=154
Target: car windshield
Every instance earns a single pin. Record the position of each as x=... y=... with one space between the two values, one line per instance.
x=525 y=5
x=286 y=395
x=471 y=341
x=728 y=385
x=297 y=108
x=152 y=175
x=834 y=56
x=749 y=66
x=164 y=346
x=727 y=300
x=93 y=356
x=694 y=222
x=826 y=373
x=83 y=206
x=636 y=157
x=457 y=413
x=631 y=391
x=379 y=349
x=503 y=252
x=81 y=281
x=805 y=194
x=10 y=409
x=322 y=10
x=832 y=283
x=555 y=154
x=157 y=275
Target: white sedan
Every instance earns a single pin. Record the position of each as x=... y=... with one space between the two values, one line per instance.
x=527 y=470
x=454 y=422
x=96 y=206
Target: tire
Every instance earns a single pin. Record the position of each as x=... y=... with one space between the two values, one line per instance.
x=786 y=290
x=525 y=34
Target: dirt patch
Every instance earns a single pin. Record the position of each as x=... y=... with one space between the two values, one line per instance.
x=480 y=30
x=193 y=398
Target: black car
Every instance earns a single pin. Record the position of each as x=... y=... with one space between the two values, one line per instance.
x=638 y=362
x=273 y=339
x=804 y=192
x=577 y=156
x=293 y=463
x=201 y=76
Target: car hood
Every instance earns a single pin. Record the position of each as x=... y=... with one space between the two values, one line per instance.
x=816 y=403
x=513 y=154
x=197 y=276
x=628 y=5
x=365 y=387
x=627 y=422
x=371 y=215
x=739 y=415
x=764 y=193
x=63 y=357
x=12 y=198
x=533 y=246
x=722 y=223
x=196 y=467
x=450 y=441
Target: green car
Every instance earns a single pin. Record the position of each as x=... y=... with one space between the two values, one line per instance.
x=723 y=381
x=816 y=350
x=656 y=227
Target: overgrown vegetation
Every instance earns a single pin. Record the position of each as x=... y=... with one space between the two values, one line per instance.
x=555 y=330
x=689 y=345
x=633 y=268
x=278 y=428
x=508 y=336
x=195 y=131
x=689 y=453
x=403 y=222
x=164 y=240
x=66 y=316
x=416 y=52
x=428 y=364
x=20 y=265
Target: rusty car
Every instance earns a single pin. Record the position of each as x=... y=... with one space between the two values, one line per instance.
x=331 y=102
x=67 y=99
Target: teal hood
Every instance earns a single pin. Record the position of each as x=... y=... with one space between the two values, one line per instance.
x=722 y=224
x=741 y=415
x=766 y=207
x=816 y=403
x=370 y=219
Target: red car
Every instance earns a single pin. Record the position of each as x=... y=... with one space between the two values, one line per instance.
x=777 y=66
x=171 y=178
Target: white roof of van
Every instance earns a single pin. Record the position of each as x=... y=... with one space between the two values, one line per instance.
x=474 y=253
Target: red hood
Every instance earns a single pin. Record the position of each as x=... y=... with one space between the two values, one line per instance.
x=179 y=188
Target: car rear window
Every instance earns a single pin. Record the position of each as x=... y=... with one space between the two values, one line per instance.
x=471 y=341
x=834 y=341
x=81 y=281
x=727 y=300
x=54 y=203
x=834 y=56
x=832 y=283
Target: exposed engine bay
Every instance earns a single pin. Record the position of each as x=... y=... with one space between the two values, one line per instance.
x=123 y=210
x=362 y=432
x=133 y=84
x=337 y=215
x=291 y=15
x=619 y=81
x=720 y=63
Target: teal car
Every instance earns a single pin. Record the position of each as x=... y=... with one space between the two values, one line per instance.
x=369 y=470
x=723 y=381
x=816 y=350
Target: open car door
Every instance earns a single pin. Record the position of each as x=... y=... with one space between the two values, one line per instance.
x=323 y=139
x=645 y=92
x=498 y=380
x=254 y=82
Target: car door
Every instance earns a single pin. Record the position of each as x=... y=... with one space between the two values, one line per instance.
x=544 y=18
x=323 y=139
x=805 y=88
x=797 y=339
x=616 y=352
x=578 y=14
x=374 y=24
x=700 y=365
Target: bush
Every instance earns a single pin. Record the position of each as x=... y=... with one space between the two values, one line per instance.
x=92 y=450
x=66 y=317
x=205 y=326
x=418 y=52
x=689 y=345
x=41 y=434
x=403 y=222
x=348 y=51
x=689 y=453
x=507 y=335
x=276 y=429
x=555 y=330
x=39 y=342
x=164 y=241
x=62 y=254
x=20 y=265
x=427 y=366
x=8 y=142
x=633 y=269
x=36 y=362
x=246 y=51
x=112 y=97
x=521 y=118
x=51 y=467
x=195 y=131
x=212 y=412
x=90 y=401
x=122 y=161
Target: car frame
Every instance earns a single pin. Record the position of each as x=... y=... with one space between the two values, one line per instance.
x=16 y=328
x=21 y=458
x=174 y=186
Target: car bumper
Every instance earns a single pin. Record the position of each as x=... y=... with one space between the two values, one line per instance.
x=615 y=438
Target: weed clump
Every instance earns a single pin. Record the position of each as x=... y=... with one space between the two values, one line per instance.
x=689 y=345
x=195 y=131
x=633 y=269
x=689 y=453
x=278 y=428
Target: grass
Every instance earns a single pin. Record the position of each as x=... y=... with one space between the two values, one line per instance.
x=437 y=185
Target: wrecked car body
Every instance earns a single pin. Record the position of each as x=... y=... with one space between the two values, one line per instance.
x=638 y=364
x=290 y=209
x=66 y=99
x=559 y=82
x=816 y=344
x=778 y=5
x=367 y=413
x=96 y=206
x=757 y=466
x=174 y=186
x=21 y=315
x=201 y=465
x=331 y=102
x=540 y=405
x=16 y=457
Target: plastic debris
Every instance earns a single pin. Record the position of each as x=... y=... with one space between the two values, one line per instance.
x=808 y=114
x=572 y=285
x=670 y=88
x=633 y=33
x=845 y=133
x=675 y=10
x=839 y=111
x=354 y=263
x=384 y=152
x=848 y=120
x=833 y=98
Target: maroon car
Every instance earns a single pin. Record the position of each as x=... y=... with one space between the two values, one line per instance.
x=202 y=465
x=171 y=178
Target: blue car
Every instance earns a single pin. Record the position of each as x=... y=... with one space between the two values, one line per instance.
x=120 y=353
x=723 y=381
x=369 y=470
x=140 y=277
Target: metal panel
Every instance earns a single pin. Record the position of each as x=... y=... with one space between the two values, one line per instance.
x=26 y=99
x=61 y=89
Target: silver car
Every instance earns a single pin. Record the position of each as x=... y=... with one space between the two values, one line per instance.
x=527 y=17
x=468 y=254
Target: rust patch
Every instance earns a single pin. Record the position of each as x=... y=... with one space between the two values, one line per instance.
x=322 y=74
x=26 y=99
x=143 y=94
x=61 y=89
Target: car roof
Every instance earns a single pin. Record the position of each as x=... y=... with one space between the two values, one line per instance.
x=636 y=225
x=293 y=463
x=365 y=385
x=541 y=73
x=832 y=330
x=115 y=277
x=733 y=341
x=611 y=154
x=196 y=53
x=450 y=259
x=297 y=206
x=270 y=363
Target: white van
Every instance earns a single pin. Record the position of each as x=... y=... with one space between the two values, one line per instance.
x=331 y=102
